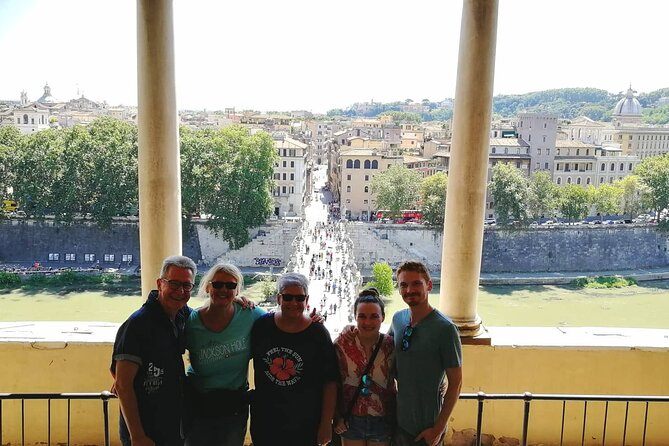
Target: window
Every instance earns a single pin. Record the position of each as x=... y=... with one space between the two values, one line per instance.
x=348 y=201
x=89 y=257
x=365 y=201
x=545 y=165
x=292 y=164
x=375 y=164
x=70 y=257
x=366 y=189
x=544 y=138
x=622 y=167
x=283 y=189
x=367 y=164
x=109 y=257
x=366 y=177
x=559 y=181
x=578 y=152
x=545 y=125
x=548 y=151
x=494 y=150
x=54 y=256
x=538 y=151
x=613 y=167
x=603 y=169
x=284 y=164
x=529 y=138
x=558 y=166
x=506 y=150
x=568 y=180
x=587 y=181
x=630 y=167
x=292 y=176
x=578 y=180
x=517 y=164
x=348 y=177
x=356 y=164
x=284 y=175
x=601 y=180
x=349 y=164
x=127 y=258
x=348 y=188
x=538 y=165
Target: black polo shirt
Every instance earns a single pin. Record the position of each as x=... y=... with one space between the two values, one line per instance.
x=150 y=339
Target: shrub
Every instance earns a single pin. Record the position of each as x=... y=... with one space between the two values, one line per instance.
x=9 y=280
x=383 y=278
x=604 y=282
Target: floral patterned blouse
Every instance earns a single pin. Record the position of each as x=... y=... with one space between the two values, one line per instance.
x=352 y=362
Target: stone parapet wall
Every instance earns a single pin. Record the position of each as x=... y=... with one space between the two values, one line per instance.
x=578 y=248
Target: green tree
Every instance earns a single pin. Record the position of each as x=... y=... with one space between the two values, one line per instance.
x=112 y=170
x=40 y=165
x=606 y=199
x=395 y=189
x=383 y=278
x=654 y=173
x=400 y=117
x=574 y=202
x=542 y=197
x=11 y=141
x=433 y=198
x=235 y=172
x=632 y=195
x=509 y=188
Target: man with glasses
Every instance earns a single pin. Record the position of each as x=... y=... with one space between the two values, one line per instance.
x=427 y=347
x=147 y=360
x=295 y=371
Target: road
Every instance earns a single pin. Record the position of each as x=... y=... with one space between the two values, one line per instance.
x=323 y=254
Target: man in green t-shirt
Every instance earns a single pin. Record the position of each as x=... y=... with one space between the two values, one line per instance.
x=427 y=348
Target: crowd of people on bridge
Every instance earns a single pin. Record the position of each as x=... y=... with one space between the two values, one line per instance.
x=306 y=387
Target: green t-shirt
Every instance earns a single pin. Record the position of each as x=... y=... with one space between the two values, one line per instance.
x=220 y=360
x=434 y=346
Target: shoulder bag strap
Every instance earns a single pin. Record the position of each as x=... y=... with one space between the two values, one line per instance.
x=367 y=369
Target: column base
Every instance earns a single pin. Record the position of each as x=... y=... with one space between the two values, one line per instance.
x=469 y=328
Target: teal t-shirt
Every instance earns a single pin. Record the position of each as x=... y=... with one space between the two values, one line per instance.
x=434 y=346
x=220 y=360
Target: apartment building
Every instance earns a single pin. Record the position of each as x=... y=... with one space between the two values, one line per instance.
x=586 y=164
x=539 y=131
x=358 y=167
x=292 y=177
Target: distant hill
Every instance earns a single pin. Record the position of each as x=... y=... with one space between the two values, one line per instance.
x=567 y=103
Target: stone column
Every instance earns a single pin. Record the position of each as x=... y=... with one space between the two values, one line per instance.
x=468 y=167
x=159 y=164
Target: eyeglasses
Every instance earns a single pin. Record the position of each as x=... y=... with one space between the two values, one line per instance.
x=175 y=285
x=226 y=285
x=366 y=383
x=406 y=337
x=291 y=297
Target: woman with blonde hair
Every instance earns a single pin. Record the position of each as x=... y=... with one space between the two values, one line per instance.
x=218 y=343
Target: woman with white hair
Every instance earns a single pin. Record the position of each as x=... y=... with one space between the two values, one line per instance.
x=218 y=342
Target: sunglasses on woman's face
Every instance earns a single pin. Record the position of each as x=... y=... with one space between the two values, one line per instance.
x=291 y=297
x=227 y=285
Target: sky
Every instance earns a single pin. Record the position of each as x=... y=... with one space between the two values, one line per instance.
x=316 y=55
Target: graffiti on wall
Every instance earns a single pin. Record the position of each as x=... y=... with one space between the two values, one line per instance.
x=267 y=261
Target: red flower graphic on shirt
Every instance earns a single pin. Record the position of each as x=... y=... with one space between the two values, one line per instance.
x=282 y=368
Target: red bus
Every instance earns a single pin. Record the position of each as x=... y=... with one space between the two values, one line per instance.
x=406 y=215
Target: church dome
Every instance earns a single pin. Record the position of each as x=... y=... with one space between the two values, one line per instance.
x=46 y=97
x=629 y=105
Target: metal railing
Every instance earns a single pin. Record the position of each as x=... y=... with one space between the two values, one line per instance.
x=481 y=397
x=49 y=397
x=528 y=397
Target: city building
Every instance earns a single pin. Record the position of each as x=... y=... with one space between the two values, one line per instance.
x=292 y=176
